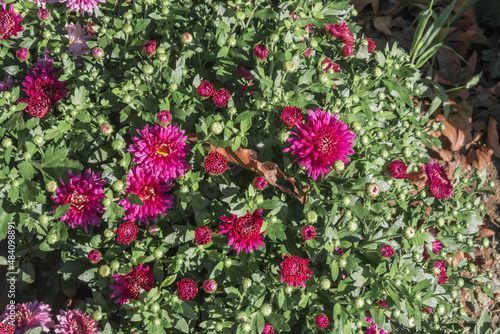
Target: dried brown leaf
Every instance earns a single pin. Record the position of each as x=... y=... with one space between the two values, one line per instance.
x=418 y=178
x=492 y=140
x=383 y=24
x=486 y=232
x=480 y=158
x=359 y=5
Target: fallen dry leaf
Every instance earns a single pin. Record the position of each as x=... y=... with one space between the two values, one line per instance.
x=495 y=90
x=456 y=259
x=451 y=72
x=383 y=24
x=492 y=140
x=485 y=232
x=359 y=5
x=458 y=128
x=480 y=158
x=418 y=178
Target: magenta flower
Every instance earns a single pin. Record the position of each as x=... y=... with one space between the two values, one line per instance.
x=38 y=105
x=75 y=322
x=153 y=193
x=371 y=45
x=347 y=50
x=308 y=52
x=205 y=89
x=439 y=269
x=187 y=289
x=149 y=48
x=221 y=97
x=291 y=115
x=327 y=64
x=260 y=183
x=244 y=73
x=22 y=54
x=373 y=329
x=94 y=256
x=260 y=51
x=440 y=185
x=29 y=315
x=322 y=321
x=268 y=329
x=161 y=151
x=6 y=328
x=387 y=251
x=244 y=232
x=83 y=6
x=340 y=30
x=397 y=169
x=215 y=163
x=43 y=14
x=210 y=285
x=129 y=286
x=164 y=118
x=294 y=271
x=84 y=192
x=203 y=235
x=321 y=142
x=9 y=22
x=308 y=232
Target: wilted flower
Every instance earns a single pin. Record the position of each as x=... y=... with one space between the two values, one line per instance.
x=77 y=39
x=221 y=97
x=129 y=286
x=203 y=235
x=187 y=289
x=244 y=232
x=320 y=142
x=29 y=315
x=187 y=38
x=295 y=271
x=291 y=115
x=84 y=192
x=215 y=163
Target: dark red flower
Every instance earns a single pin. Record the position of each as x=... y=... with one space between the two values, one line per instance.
x=322 y=321
x=127 y=232
x=371 y=45
x=308 y=52
x=387 y=251
x=129 y=286
x=440 y=185
x=187 y=289
x=244 y=73
x=347 y=50
x=244 y=232
x=205 y=89
x=291 y=116
x=22 y=54
x=221 y=97
x=149 y=48
x=215 y=163
x=203 y=235
x=38 y=105
x=90 y=28
x=6 y=328
x=295 y=271
x=308 y=232
x=268 y=329
x=397 y=169
x=260 y=51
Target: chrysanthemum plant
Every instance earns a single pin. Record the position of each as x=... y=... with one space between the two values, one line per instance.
x=224 y=167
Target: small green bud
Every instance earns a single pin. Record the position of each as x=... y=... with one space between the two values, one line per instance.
x=242 y=317
x=440 y=309
x=128 y=15
x=118 y=144
x=231 y=42
x=409 y=232
x=407 y=152
x=266 y=309
x=471 y=268
x=342 y=263
x=274 y=38
x=356 y=127
x=240 y=16
x=51 y=186
x=51 y=239
x=442 y=127
x=377 y=72
x=324 y=283
x=352 y=226
x=381 y=96
x=108 y=233
x=359 y=302
x=346 y=201
x=7 y=142
x=246 y=328
x=216 y=128
x=260 y=104
x=311 y=217
x=396 y=313
x=228 y=263
x=127 y=29
x=148 y=69
x=104 y=270
x=158 y=253
x=126 y=99
x=97 y=315
x=38 y=140
x=173 y=87
x=259 y=199
x=459 y=237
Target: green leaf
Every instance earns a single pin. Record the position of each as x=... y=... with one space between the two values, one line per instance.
x=484 y=323
x=61 y=210
x=36 y=330
x=335 y=270
x=141 y=26
x=79 y=96
x=134 y=199
x=26 y=170
x=168 y=280
x=27 y=273
x=474 y=80
x=223 y=52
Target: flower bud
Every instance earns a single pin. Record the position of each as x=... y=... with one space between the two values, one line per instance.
x=325 y=283
x=372 y=189
x=210 y=286
x=22 y=54
x=289 y=66
x=127 y=29
x=164 y=118
x=216 y=128
x=98 y=53
x=104 y=270
x=106 y=129
x=359 y=302
x=43 y=14
x=266 y=309
x=153 y=230
x=148 y=69
x=311 y=217
x=97 y=315
x=187 y=38
x=118 y=144
x=94 y=256
x=51 y=186
x=242 y=317
x=246 y=283
x=115 y=265
x=409 y=232
x=108 y=233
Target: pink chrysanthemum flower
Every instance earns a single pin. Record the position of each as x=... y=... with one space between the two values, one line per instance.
x=164 y=118
x=371 y=45
x=149 y=48
x=9 y=22
x=210 y=285
x=22 y=54
x=244 y=73
x=126 y=232
x=221 y=97
x=439 y=269
x=38 y=105
x=84 y=192
x=308 y=232
x=205 y=89
x=29 y=315
x=268 y=329
x=340 y=30
x=327 y=64
x=387 y=251
x=83 y=6
x=43 y=14
x=129 y=286
x=308 y=52
x=440 y=185
x=347 y=50
x=75 y=322
x=322 y=321
x=373 y=329
x=295 y=271
x=203 y=235
x=321 y=142
x=6 y=328
x=291 y=115
x=215 y=163
x=153 y=193
x=260 y=183
x=94 y=256
x=161 y=151
x=77 y=38
x=427 y=310
x=260 y=51
x=244 y=232
x=187 y=289
x=436 y=249
x=397 y=169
